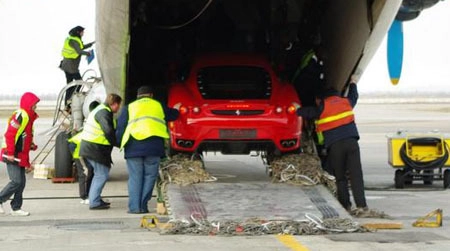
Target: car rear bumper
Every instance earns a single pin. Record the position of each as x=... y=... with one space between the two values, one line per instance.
x=235 y=137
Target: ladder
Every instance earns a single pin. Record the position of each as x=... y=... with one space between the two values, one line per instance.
x=62 y=119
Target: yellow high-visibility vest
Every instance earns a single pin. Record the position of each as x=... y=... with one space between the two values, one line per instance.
x=25 y=119
x=145 y=119
x=76 y=139
x=92 y=131
x=68 y=51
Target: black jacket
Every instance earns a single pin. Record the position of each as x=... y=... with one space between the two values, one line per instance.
x=96 y=152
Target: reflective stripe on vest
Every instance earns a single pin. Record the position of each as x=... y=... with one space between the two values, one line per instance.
x=145 y=119
x=337 y=111
x=303 y=63
x=92 y=131
x=68 y=51
x=76 y=140
x=25 y=119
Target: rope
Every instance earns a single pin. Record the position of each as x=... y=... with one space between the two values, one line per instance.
x=255 y=226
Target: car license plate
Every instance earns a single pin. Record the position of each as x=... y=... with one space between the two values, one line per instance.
x=237 y=133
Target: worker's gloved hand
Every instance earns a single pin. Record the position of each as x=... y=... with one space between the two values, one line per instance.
x=9 y=158
x=33 y=147
x=29 y=169
x=88 y=53
x=177 y=106
x=296 y=105
x=354 y=79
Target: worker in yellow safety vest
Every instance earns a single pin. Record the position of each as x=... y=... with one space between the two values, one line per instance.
x=71 y=52
x=97 y=141
x=335 y=122
x=84 y=170
x=141 y=131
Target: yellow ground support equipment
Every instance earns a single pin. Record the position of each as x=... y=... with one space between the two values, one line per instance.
x=149 y=221
x=425 y=222
x=153 y=221
x=423 y=156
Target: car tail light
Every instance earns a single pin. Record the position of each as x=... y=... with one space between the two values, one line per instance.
x=291 y=109
x=183 y=110
x=278 y=109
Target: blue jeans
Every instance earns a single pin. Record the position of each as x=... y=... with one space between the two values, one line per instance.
x=101 y=174
x=16 y=185
x=142 y=174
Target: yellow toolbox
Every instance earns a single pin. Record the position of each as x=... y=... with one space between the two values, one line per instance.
x=417 y=156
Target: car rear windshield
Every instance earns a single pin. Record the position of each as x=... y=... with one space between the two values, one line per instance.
x=234 y=82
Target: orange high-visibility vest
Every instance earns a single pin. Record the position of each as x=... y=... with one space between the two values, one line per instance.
x=337 y=111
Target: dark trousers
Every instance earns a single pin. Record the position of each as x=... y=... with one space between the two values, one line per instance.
x=85 y=174
x=344 y=156
x=69 y=92
x=15 y=186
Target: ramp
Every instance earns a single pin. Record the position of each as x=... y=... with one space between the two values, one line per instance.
x=240 y=201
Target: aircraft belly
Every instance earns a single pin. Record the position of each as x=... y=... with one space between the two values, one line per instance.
x=241 y=201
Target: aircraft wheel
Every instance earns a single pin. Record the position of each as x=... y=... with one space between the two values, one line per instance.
x=63 y=157
x=446 y=178
x=399 y=179
x=428 y=180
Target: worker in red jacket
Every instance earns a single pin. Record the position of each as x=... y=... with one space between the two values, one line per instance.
x=17 y=143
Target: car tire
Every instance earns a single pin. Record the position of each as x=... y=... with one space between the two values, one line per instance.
x=171 y=152
x=63 y=157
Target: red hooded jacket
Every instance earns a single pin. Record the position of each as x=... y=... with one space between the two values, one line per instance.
x=21 y=148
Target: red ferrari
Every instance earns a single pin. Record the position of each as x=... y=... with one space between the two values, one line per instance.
x=234 y=104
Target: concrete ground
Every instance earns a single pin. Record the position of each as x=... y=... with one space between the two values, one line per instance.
x=59 y=222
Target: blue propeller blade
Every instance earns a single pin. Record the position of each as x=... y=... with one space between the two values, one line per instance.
x=395 y=51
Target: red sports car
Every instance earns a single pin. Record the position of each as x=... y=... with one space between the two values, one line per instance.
x=234 y=104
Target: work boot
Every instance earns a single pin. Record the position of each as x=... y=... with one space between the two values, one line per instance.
x=361 y=212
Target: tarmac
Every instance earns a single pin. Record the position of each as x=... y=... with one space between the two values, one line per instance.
x=59 y=222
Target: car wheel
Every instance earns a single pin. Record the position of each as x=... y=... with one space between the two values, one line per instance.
x=172 y=152
x=198 y=156
x=63 y=157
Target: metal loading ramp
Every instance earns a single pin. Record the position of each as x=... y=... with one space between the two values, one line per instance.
x=239 y=201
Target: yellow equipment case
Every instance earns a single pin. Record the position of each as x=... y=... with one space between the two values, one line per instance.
x=419 y=156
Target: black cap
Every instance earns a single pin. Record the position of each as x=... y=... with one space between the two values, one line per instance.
x=144 y=90
x=75 y=31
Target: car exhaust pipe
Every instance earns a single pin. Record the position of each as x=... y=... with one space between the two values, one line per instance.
x=292 y=143
x=180 y=142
